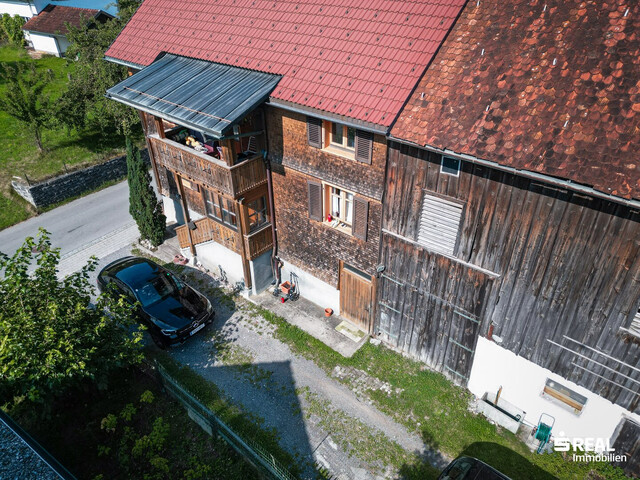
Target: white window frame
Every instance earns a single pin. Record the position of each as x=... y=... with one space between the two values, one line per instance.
x=442 y=170
x=341 y=222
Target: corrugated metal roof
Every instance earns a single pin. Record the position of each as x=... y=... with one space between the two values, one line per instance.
x=206 y=96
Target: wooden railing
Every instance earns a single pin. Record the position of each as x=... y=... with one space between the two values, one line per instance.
x=209 y=230
x=235 y=180
x=258 y=242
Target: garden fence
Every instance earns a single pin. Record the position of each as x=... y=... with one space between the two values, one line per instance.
x=209 y=421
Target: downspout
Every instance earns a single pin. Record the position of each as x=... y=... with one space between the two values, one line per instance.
x=275 y=267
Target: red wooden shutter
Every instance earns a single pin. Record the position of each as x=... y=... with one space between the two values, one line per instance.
x=360 y=218
x=315 y=200
x=364 y=146
x=314 y=132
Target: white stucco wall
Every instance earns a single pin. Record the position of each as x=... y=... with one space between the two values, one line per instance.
x=522 y=383
x=313 y=289
x=24 y=9
x=44 y=43
x=213 y=256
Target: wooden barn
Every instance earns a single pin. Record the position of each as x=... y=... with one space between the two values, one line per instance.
x=510 y=225
x=303 y=96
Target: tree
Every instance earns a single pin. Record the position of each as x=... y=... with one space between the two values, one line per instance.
x=84 y=104
x=25 y=99
x=12 y=29
x=51 y=337
x=143 y=204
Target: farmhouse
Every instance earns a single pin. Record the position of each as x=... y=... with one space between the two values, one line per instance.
x=510 y=225
x=266 y=123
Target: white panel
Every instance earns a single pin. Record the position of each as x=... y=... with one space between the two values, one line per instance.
x=439 y=224
x=522 y=383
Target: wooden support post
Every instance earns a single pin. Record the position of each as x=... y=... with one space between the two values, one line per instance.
x=228 y=151
x=185 y=211
x=159 y=127
x=243 y=229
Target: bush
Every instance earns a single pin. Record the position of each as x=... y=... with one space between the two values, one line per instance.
x=12 y=29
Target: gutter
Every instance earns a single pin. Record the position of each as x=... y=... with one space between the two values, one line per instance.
x=123 y=62
x=565 y=184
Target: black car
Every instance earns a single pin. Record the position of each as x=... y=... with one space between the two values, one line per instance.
x=469 y=468
x=172 y=310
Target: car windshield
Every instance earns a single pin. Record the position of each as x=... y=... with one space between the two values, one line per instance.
x=157 y=288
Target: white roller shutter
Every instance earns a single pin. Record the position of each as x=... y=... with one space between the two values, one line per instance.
x=439 y=224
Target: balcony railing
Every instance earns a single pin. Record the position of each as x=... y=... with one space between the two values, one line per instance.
x=207 y=230
x=233 y=180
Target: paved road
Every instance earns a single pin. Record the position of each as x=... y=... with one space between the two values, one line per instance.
x=98 y=224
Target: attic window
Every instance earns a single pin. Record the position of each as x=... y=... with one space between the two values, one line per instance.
x=450 y=166
x=439 y=224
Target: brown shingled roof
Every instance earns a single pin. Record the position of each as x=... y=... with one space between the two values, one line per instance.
x=53 y=19
x=550 y=86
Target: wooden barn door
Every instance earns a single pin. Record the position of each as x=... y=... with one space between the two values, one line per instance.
x=356 y=296
x=430 y=307
x=627 y=442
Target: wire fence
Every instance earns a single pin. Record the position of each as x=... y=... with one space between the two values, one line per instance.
x=255 y=453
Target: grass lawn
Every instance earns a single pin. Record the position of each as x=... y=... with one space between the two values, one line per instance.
x=64 y=149
x=117 y=433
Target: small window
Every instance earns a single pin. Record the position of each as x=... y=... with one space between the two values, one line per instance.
x=343 y=136
x=439 y=224
x=450 y=166
x=190 y=185
x=563 y=396
x=257 y=213
x=634 y=328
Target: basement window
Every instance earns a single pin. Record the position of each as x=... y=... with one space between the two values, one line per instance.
x=564 y=396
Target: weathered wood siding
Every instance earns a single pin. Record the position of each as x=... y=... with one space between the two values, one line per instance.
x=568 y=265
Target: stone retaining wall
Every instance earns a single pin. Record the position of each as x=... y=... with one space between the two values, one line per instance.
x=68 y=185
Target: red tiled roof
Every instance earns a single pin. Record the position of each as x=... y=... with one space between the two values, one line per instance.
x=53 y=19
x=354 y=58
x=550 y=86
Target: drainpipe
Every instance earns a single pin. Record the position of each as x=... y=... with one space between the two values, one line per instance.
x=275 y=262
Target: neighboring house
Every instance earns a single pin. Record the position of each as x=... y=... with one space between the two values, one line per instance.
x=313 y=86
x=46 y=32
x=511 y=226
x=23 y=8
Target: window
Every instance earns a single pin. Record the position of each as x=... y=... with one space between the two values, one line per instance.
x=257 y=213
x=228 y=213
x=340 y=139
x=634 y=328
x=190 y=185
x=439 y=224
x=450 y=166
x=340 y=211
x=343 y=136
x=563 y=396
x=212 y=204
x=220 y=208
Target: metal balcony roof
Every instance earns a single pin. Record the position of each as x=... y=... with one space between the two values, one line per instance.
x=206 y=96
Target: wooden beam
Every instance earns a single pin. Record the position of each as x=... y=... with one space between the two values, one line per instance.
x=243 y=230
x=185 y=211
x=228 y=152
x=159 y=127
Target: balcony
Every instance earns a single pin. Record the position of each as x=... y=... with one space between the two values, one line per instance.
x=235 y=180
x=255 y=243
